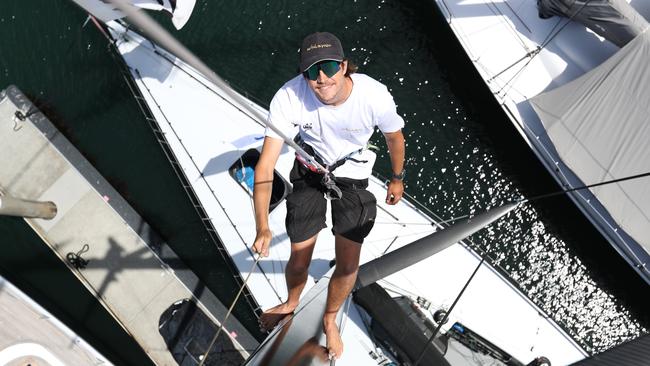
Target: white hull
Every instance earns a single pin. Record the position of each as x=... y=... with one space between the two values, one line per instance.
x=30 y=334
x=498 y=38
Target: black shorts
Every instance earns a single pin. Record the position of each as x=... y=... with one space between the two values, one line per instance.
x=353 y=216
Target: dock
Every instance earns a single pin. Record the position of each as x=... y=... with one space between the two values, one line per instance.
x=108 y=246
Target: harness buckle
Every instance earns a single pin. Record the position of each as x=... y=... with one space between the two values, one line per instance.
x=332 y=192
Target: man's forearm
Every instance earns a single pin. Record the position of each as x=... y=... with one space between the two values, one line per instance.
x=261 y=200
x=264 y=181
x=397 y=151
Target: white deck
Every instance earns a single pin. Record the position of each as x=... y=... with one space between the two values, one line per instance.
x=497 y=37
x=208 y=132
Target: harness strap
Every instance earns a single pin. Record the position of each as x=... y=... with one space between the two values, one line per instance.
x=346 y=158
x=330 y=168
x=332 y=191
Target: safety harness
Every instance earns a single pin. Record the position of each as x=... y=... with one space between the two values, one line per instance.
x=332 y=191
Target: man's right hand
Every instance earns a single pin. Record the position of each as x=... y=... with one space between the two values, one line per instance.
x=262 y=242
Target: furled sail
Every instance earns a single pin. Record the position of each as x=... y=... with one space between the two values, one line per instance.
x=600 y=127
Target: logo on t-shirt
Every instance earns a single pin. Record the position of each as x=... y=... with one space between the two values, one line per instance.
x=307 y=126
x=352 y=130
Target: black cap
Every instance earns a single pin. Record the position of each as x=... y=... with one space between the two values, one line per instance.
x=318 y=47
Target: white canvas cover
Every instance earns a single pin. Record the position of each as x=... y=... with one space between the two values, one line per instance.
x=615 y=20
x=599 y=124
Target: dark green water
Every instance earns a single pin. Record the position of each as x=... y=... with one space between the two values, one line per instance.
x=463 y=156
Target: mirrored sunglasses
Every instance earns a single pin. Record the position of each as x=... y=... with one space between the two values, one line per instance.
x=330 y=68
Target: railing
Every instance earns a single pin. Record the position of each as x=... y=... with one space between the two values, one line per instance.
x=189 y=190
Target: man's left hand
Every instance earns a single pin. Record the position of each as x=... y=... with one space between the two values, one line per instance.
x=395 y=191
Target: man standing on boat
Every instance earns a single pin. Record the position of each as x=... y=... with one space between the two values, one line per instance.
x=335 y=112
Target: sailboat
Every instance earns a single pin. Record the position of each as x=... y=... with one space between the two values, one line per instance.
x=212 y=135
x=30 y=334
x=574 y=85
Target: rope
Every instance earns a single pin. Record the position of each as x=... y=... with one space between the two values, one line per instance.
x=257 y=259
x=232 y=306
x=76 y=260
x=22 y=117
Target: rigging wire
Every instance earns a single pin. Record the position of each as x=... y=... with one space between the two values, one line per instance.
x=564 y=191
x=552 y=35
x=640 y=264
x=485 y=253
x=531 y=55
x=203 y=178
x=497 y=11
x=244 y=284
x=444 y=319
x=158 y=33
x=535 y=198
x=525 y=200
x=173 y=63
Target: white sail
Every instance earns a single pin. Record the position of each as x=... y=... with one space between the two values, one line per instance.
x=599 y=126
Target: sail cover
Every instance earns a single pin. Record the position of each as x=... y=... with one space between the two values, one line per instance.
x=614 y=20
x=600 y=126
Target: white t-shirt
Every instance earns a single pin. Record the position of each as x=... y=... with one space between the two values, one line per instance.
x=336 y=131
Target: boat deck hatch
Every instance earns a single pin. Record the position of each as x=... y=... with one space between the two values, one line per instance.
x=188 y=332
x=243 y=171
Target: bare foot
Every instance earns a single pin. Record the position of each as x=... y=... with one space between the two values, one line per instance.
x=270 y=318
x=333 y=339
